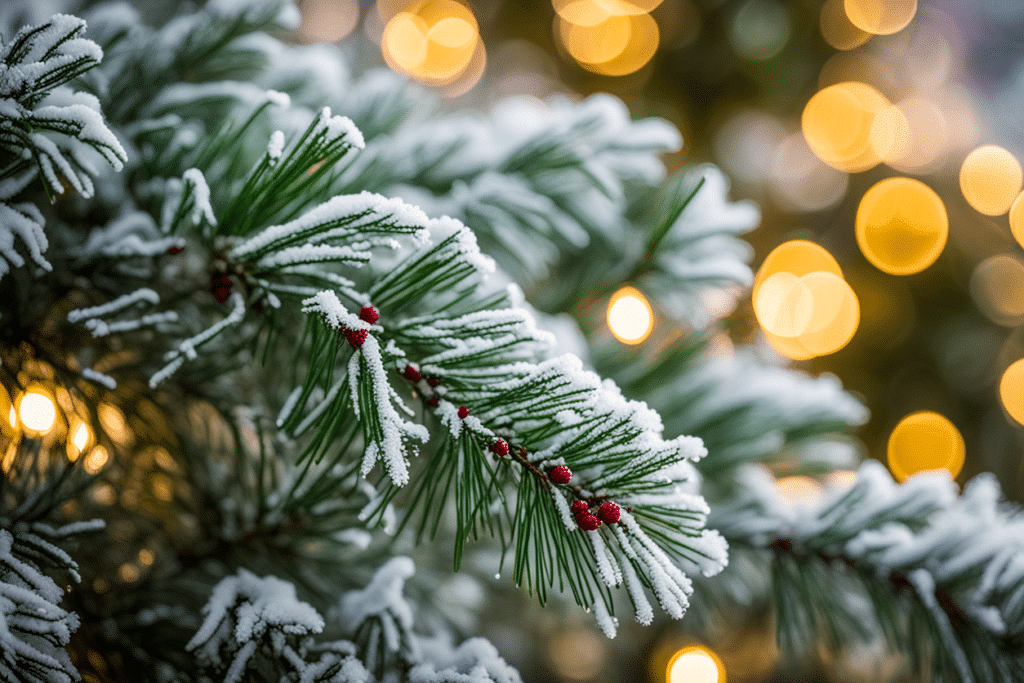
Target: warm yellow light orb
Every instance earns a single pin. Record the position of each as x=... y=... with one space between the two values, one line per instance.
x=880 y=17
x=1011 y=390
x=784 y=305
x=643 y=43
x=925 y=441
x=901 y=226
x=599 y=42
x=837 y=123
x=630 y=317
x=790 y=347
x=1017 y=219
x=404 y=42
x=79 y=438
x=96 y=459
x=837 y=29
x=799 y=490
x=577 y=11
x=37 y=411
x=798 y=257
x=991 y=179
x=997 y=286
x=432 y=41
x=695 y=664
x=836 y=314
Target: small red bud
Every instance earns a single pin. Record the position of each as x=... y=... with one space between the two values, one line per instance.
x=220 y=287
x=433 y=401
x=369 y=314
x=433 y=381
x=500 y=447
x=355 y=337
x=560 y=475
x=609 y=512
x=411 y=374
x=463 y=412
x=174 y=251
x=588 y=522
x=579 y=507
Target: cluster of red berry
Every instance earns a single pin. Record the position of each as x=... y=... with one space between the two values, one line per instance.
x=608 y=513
x=356 y=338
x=220 y=286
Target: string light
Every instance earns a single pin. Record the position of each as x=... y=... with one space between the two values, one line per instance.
x=799 y=490
x=37 y=411
x=630 y=317
x=434 y=41
x=79 y=438
x=925 y=441
x=1011 y=390
x=901 y=226
x=880 y=17
x=608 y=37
x=991 y=180
x=783 y=305
x=798 y=257
x=96 y=459
x=695 y=664
x=836 y=314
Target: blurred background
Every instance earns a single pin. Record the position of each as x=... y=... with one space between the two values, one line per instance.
x=762 y=89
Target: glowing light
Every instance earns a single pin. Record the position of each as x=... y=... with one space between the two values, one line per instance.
x=835 y=317
x=609 y=37
x=1017 y=219
x=695 y=664
x=643 y=43
x=163 y=487
x=128 y=572
x=901 y=226
x=880 y=17
x=840 y=479
x=927 y=143
x=574 y=10
x=925 y=441
x=434 y=42
x=1011 y=390
x=96 y=459
x=799 y=490
x=114 y=424
x=37 y=411
x=991 y=179
x=801 y=181
x=9 y=426
x=578 y=655
x=630 y=317
x=837 y=29
x=80 y=438
x=146 y=557
x=328 y=21
x=798 y=257
x=997 y=286
x=838 y=121
x=759 y=29
x=783 y=305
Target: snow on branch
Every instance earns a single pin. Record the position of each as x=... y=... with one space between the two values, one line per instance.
x=186 y=349
x=26 y=222
x=246 y=613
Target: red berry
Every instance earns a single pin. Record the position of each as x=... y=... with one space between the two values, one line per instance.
x=433 y=401
x=500 y=447
x=608 y=512
x=411 y=374
x=369 y=314
x=579 y=507
x=355 y=337
x=220 y=287
x=587 y=521
x=433 y=381
x=174 y=251
x=463 y=412
x=221 y=294
x=560 y=475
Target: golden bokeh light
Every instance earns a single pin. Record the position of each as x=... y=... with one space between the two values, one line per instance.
x=925 y=441
x=991 y=179
x=80 y=437
x=695 y=664
x=926 y=145
x=838 y=122
x=114 y=424
x=36 y=411
x=798 y=257
x=573 y=11
x=836 y=314
x=433 y=41
x=608 y=37
x=789 y=347
x=1017 y=219
x=901 y=226
x=799 y=490
x=8 y=416
x=840 y=479
x=326 y=21
x=801 y=181
x=997 y=287
x=837 y=29
x=96 y=459
x=630 y=317
x=784 y=305
x=880 y=17
x=1011 y=390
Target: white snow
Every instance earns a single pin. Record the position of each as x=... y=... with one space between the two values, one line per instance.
x=275 y=146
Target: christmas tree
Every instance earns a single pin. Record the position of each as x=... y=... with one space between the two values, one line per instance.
x=297 y=367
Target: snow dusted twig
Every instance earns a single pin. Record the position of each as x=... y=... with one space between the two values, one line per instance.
x=187 y=349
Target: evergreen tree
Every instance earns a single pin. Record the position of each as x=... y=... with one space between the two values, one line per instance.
x=257 y=295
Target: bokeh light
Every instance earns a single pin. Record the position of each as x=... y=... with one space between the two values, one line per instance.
x=96 y=459
x=630 y=317
x=801 y=181
x=837 y=29
x=798 y=257
x=839 y=125
x=901 y=226
x=799 y=490
x=925 y=441
x=433 y=41
x=1017 y=219
x=1011 y=390
x=759 y=29
x=783 y=305
x=608 y=37
x=37 y=411
x=991 y=180
x=880 y=17
x=927 y=141
x=997 y=287
x=80 y=437
x=114 y=424
x=325 y=21
x=695 y=664
x=836 y=314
